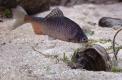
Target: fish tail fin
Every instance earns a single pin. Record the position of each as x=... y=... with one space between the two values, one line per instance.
x=18 y=15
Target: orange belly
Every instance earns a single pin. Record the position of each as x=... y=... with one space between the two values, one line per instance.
x=35 y=24
x=37 y=28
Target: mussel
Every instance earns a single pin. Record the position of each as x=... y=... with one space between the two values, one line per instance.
x=94 y=58
x=110 y=22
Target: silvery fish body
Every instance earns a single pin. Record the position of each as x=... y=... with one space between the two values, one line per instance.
x=58 y=26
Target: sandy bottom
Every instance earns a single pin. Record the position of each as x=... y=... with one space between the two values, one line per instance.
x=19 y=61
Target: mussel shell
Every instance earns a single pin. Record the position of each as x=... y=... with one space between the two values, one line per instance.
x=110 y=22
x=94 y=58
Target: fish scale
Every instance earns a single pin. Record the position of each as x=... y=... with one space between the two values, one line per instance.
x=62 y=28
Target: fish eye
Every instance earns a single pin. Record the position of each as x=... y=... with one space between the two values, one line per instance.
x=84 y=39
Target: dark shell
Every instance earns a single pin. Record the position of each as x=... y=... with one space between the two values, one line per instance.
x=94 y=58
x=110 y=22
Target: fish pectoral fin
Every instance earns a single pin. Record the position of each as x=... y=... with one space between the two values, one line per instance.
x=56 y=12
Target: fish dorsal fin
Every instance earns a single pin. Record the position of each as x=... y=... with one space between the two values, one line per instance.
x=56 y=12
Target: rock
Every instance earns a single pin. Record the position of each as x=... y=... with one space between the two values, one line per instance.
x=8 y=3
x=34 y=6
x=55 y=2
x=74 y=2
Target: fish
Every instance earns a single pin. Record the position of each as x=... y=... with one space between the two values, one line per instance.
x=58 y=26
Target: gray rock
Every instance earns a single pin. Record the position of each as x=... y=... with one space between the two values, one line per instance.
x=35 y=6
x=74 y=2
x=8 y=3
x=32 y=7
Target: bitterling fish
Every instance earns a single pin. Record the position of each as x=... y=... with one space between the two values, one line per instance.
x=56 y=25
